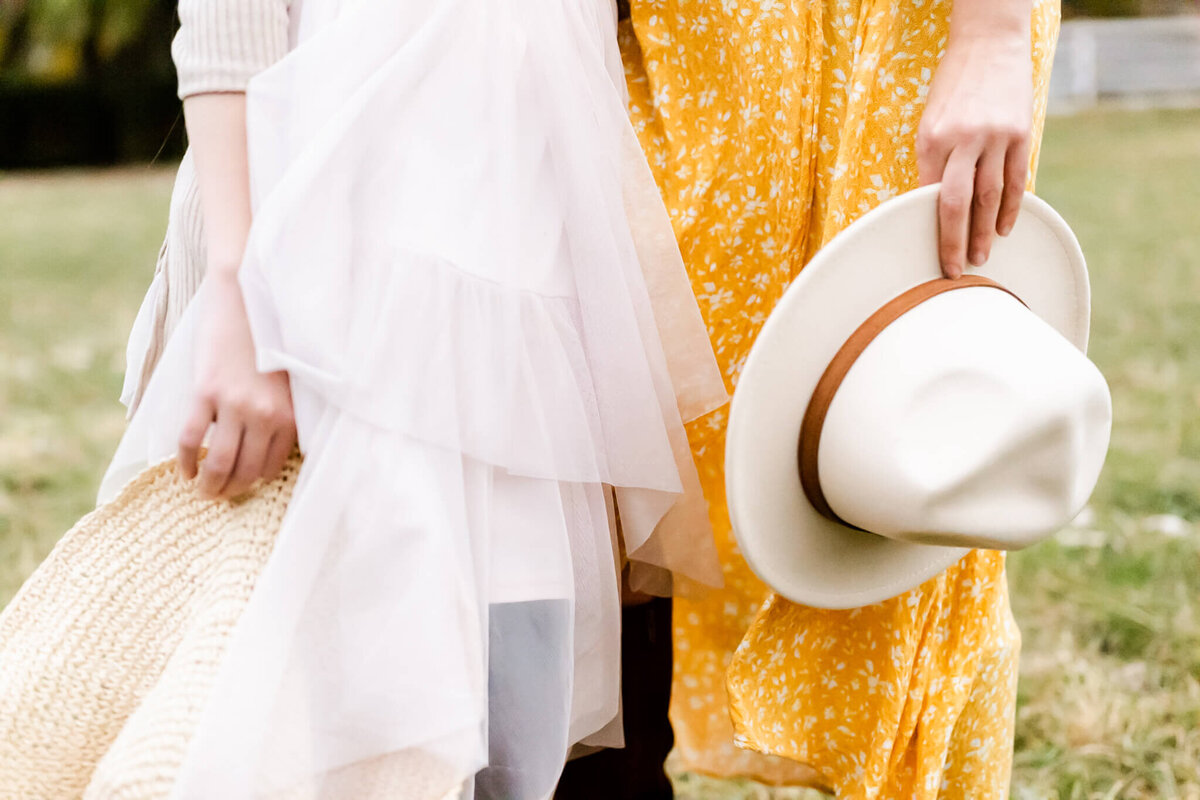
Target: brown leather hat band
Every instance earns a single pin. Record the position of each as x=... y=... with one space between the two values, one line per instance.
x=839 y=366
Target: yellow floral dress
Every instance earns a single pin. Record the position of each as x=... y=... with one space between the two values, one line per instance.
x=771 y=125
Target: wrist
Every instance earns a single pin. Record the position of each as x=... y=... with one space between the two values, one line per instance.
x=223 y=270
x=998 y=51
x=1009 y=39
x=991 y=23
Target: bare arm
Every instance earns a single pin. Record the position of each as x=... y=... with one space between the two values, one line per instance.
x=216 y=126
x=252 y=412
x=976 y=132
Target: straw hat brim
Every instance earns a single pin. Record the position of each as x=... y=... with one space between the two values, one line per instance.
x=110 y=649
x=799 y=553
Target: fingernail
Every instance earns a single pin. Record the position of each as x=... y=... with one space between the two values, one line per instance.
x=977 y=258
x=953 y=271
x=1005 y=229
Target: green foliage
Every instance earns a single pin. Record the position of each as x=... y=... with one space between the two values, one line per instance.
x=1126 y=8
x=52 y=41
x=122 y=22
x=1102 y=8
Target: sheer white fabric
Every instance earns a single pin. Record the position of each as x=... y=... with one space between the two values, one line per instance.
x=461 y=260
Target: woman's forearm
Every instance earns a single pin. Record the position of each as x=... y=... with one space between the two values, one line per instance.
x=248 y=413
x=976 y=130
x=216 y=126
x=993 y=20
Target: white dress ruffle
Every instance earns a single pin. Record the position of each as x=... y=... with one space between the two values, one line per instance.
x=459 y=256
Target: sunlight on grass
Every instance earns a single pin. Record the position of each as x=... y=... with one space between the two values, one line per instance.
x=1110 y=610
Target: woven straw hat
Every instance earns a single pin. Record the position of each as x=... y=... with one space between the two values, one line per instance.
x=109 y=650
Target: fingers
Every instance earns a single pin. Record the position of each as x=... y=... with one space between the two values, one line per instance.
x=932 y=154
x=1016 y=175
x=281 y=447
x=222 y=455
x=250 y=459
x=282 y=423
x=989 y=190
x=983 y=171
x=192 y=436
x=253 y=435
x=269 y=428
x=954 y=210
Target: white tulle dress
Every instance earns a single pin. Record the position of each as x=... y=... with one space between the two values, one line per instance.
x=460 y=257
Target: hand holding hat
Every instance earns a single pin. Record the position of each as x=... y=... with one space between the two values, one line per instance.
x=888 y=420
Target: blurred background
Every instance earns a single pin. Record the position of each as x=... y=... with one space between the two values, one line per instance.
x=90 y=131
x=86 y=82
x=90 y=82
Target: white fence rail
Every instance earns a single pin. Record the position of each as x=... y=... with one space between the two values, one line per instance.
x=1144 y=62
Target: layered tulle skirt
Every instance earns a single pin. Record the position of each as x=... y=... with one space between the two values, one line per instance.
x=460 y=258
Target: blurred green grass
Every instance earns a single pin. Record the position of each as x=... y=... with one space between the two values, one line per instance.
x=1110 y=610
x=77 y=251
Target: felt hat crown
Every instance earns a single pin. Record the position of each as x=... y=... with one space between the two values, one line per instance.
x=888 y=420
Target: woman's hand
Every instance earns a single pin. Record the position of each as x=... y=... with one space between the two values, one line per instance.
x=254 y=430
x=252 y=411
x=975 y=137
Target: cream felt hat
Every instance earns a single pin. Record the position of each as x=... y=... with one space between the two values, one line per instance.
x=937 y=415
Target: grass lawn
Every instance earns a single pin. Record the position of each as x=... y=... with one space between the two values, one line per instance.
x=1110 y=688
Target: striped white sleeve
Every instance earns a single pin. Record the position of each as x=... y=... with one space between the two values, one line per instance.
x=221 y=44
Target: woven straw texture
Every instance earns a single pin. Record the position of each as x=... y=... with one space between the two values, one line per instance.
x=110 y=649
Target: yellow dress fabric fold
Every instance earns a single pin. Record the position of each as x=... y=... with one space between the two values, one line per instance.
x=770 y=126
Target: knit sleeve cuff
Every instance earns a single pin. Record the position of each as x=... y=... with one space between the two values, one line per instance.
x=221 y=44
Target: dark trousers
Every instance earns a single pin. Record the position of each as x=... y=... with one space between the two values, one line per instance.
x=634 y=772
